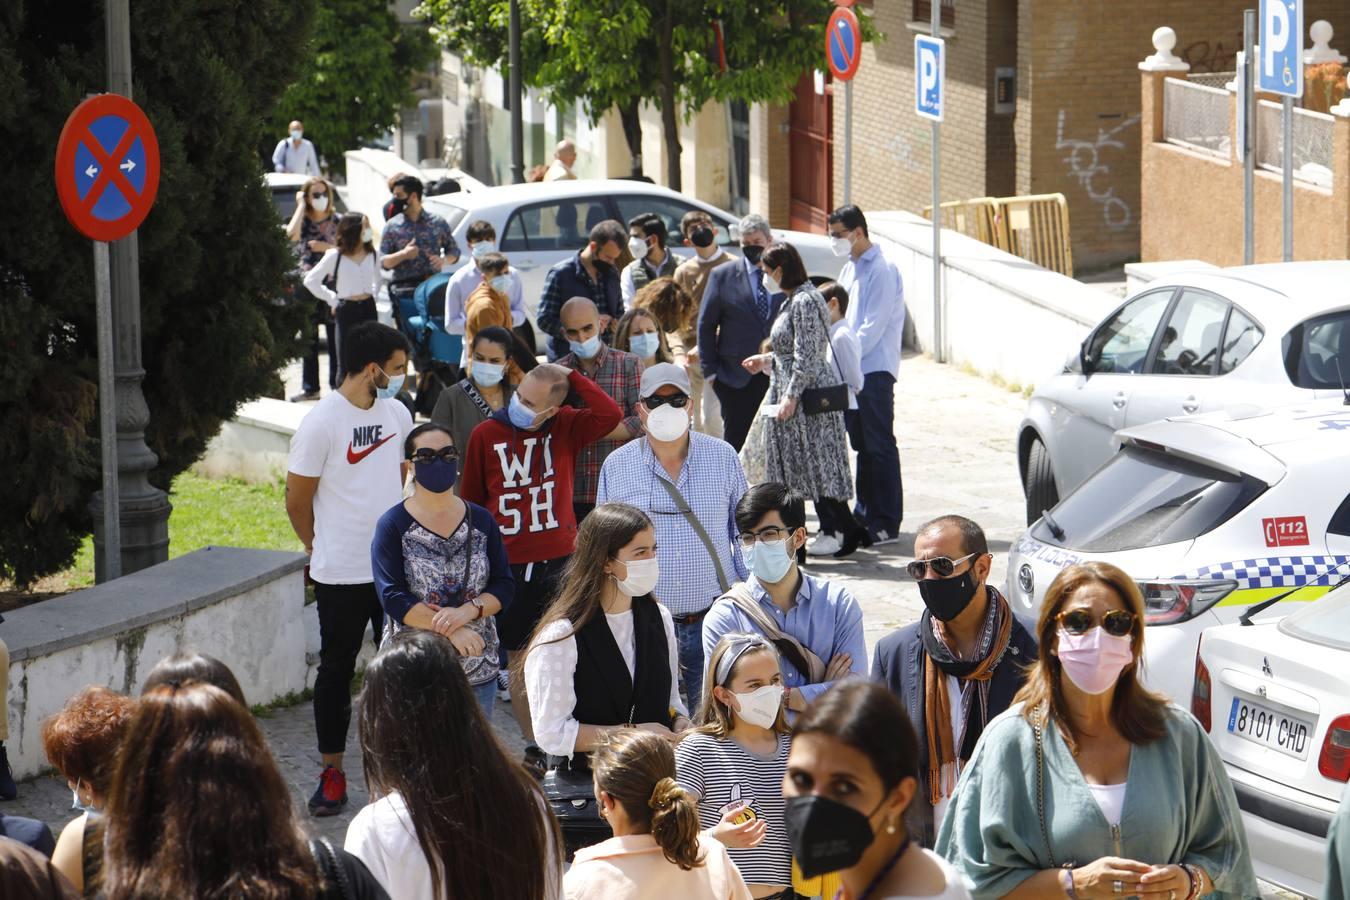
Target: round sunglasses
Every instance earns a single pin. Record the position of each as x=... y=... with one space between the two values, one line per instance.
x=1115 y=622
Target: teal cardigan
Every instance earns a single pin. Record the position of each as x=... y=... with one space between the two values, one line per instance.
x=1179 y=807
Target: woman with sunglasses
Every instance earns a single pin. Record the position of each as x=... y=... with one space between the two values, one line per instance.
x=440 y=564
x=1091 y=786
x=313 y=231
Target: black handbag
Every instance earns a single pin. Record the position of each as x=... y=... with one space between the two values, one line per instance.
x=570 y=792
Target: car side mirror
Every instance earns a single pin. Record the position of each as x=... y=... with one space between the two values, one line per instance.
x=1084 y=361
x=734 y=233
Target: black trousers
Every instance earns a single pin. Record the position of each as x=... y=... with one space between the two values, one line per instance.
x=534 y=593
x=350 y=313
x=322 y=317
x=344 y=612
x=739 y=407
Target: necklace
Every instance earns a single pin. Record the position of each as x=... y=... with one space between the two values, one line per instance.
x=885 y=870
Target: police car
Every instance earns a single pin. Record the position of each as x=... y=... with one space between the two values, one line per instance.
x=1211 y=514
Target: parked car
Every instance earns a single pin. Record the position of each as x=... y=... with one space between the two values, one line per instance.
x=285 y=185
x=1269 y=334
x=539 y=225
x=1210 y=514
x=1275 y=698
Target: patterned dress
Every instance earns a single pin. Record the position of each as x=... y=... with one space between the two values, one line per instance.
x=807 y=453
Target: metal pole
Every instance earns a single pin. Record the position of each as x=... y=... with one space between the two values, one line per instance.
x=107 y=415
x=848 y=142
x=1288 y=165
x=1247 y=97
x=517 y=114
x=939 y=332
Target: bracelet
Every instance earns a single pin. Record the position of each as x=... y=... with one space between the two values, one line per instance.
x=1196 y=878
x=1066 y=880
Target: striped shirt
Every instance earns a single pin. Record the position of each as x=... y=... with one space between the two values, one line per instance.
x=721 y=773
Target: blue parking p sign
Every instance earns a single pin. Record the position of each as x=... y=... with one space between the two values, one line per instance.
x=930 y=62
x=1280 y=62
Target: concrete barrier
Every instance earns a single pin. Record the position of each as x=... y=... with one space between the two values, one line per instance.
x=1004 y=317
x=244 y=606
x=254 y=444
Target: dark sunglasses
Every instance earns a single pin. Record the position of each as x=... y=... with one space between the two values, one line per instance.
x=679 y=401
x=426 y=455
x=318 y=195
x=1115 y=622
x=942 y=566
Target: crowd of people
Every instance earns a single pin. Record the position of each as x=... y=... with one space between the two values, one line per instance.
x=616 y=543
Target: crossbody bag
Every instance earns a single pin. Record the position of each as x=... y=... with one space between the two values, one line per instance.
x=683 y=506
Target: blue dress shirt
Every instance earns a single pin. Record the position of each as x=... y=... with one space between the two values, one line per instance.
x=876 y=309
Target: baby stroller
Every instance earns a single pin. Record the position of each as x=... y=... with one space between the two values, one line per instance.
x=436 y=352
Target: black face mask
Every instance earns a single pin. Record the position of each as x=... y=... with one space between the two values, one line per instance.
x=752 y=253
x=826 y=835
x=398 y=205
x=947 y=598
x=701 y=236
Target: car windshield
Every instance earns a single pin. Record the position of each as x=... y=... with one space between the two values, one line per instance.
x=1146 y=498
x=1317 y=352
x=1325 y=621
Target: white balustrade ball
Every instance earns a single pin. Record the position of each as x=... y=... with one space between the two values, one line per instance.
x=1164 y=39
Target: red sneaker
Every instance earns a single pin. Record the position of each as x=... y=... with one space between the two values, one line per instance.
x=331 y=796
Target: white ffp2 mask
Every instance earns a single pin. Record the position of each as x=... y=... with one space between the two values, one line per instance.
x=760 y=706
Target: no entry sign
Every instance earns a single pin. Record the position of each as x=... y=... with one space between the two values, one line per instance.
x=107 y=167
x=843 y=44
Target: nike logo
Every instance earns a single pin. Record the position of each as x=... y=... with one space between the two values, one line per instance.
x=355 y=456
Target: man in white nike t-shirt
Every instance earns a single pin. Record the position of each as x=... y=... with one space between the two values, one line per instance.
x=345 y=469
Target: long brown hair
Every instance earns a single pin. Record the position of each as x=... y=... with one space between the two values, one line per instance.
x=637 y=769
x=311 y=182
x=715 y=717
x=198 y=809
x=424 y=737
x=672 y=305
x=1138 y=714
x=349 y=231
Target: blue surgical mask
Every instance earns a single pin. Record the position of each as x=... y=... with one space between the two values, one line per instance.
x=586 y=349
x=296 y=134
x=521 y=415
x=76 y=802
x=769 y=561
x=645 y=345
x=488 y=374
x=437 y=476
x=482 y=249
x=501 y=283
x=390 y=390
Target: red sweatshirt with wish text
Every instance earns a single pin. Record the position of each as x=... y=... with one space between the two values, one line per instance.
x=524 y=478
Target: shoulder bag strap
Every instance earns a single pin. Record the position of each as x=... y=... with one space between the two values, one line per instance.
x=801 y=656
x=330 y=866
x=683 y=506
x=472 y=393
x=1038 y=726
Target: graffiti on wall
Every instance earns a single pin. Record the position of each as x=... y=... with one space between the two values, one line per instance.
x=1086 y=165
x=1213 y=56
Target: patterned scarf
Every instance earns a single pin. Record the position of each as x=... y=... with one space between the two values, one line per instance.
x=940 y=660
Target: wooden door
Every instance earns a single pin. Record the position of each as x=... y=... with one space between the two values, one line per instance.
x=811 y=156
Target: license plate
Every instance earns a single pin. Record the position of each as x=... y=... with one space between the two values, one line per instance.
x=1270 y=728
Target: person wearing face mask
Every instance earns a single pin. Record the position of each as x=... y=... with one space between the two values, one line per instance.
x=647 y=236
x=440 y=563
x=1091 y=786
x=295 y=153
x=353 y=268
x=737 y=313
x=482 y=240
x=520 y=464
x=592 y=273
x=692 y=276
x=852 y=773
x=639 y=333
x=416 y=243
x=733 y=763
x=489 y=304
x=816 y=624
x=618 y=374
x=313 y=231
x=345 y=468
x=957 y=667
x=689 y=484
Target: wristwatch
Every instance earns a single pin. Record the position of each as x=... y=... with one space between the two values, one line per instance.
x=478 y=606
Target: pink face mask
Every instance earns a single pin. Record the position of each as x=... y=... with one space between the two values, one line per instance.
x=1094 y=659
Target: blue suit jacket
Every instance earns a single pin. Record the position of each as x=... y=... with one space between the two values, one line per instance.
x=730 y=327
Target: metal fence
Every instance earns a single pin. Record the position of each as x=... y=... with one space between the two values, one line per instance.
x=1312 y=143
x=1195 y=115
x=1212 y=79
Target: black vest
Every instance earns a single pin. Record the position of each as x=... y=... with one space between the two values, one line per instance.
x=606 y=695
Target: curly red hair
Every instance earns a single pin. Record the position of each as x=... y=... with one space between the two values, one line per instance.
x=82 y=740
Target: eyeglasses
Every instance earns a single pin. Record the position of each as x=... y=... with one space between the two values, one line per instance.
x=426 y=455
x=764 y=535
x=942 y=566
x=679 y=401
x=1115 y=622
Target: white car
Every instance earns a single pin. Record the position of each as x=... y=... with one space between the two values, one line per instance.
x=1209 y=514
x=283 y=187
x=539 y=225
x=1275 y=698
x=1269 y=334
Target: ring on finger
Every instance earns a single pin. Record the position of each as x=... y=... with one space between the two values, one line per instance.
x=1172 y=895
x=1117 y=887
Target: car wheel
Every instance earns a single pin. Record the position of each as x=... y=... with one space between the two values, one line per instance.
x=1040 y=481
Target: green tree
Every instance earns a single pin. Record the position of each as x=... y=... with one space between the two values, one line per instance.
x=354 y=76
x=621 y=53
x=213 y=260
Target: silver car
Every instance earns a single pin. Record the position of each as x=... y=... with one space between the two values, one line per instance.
x=1248 y=336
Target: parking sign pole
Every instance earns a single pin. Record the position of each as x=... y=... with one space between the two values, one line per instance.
x=1246 y=101
x=1288 y=166
x=939 y=334
x=848 y=142
x=107 y=414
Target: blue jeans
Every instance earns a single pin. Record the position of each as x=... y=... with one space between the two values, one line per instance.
x=690 y=641
x=879 y=504
x=486 y=694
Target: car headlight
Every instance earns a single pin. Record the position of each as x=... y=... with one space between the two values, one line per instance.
x=1169 y=602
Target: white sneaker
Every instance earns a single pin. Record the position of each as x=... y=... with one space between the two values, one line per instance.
x=884 y=537
x=503 y=687
x=825 y=544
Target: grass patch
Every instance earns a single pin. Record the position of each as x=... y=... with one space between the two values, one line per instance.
x=285 y=701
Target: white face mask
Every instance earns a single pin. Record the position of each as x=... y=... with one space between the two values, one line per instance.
x=482 y=249
x=642 y=577
x=666 y=423
x=638 y=247
x=320 y=203
x=367 y=236
x=771 y=285
x=841 y=245
x=297 y=134
x=760 y=707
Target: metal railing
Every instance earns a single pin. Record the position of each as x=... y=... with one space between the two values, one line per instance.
x=1212 y=79
x=1313 y=143
x=1034 y=227
x=1195 y=115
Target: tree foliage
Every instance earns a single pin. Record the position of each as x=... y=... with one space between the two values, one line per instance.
x=620 y=53
x=213 y=259
x=355 y=75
